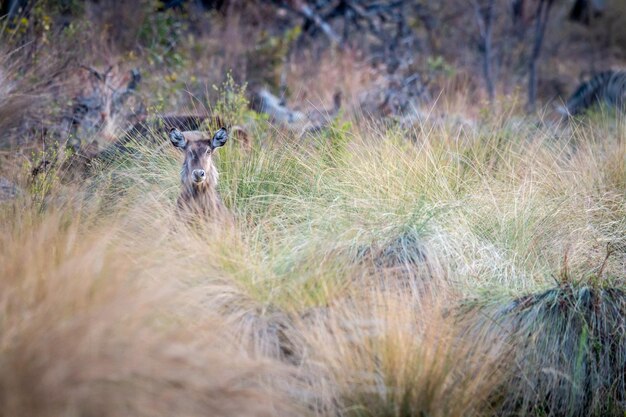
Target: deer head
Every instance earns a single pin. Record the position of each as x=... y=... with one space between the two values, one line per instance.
x=198 y=169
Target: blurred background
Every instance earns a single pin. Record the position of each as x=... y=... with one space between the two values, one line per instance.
x=403 y=60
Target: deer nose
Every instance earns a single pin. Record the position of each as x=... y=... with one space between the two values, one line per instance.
x=198 y=175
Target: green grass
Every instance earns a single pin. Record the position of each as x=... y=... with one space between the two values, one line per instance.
x=342 y=276
x=567 y=350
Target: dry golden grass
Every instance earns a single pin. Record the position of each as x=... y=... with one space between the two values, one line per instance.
x=95 y=325
x=339 y=290
x=333 y=294
x=392 y=354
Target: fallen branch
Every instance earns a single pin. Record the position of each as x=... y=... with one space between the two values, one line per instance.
x=268 y=103
x=309 y=14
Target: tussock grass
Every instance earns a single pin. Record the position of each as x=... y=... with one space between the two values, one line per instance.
x=567 y=347
x=332 y=292
x=414 y=267
x=393 y=356
x=94 y=323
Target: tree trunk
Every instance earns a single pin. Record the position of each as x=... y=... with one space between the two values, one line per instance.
x=484 y=17
x=541 y=20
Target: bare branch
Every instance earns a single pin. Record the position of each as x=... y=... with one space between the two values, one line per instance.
x=306 y=11
x=609 y=252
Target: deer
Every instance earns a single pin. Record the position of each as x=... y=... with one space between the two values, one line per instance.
x=199 y=194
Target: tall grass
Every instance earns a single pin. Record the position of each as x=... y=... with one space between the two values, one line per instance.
x=388 y=355
x=567 y=347
x=95 y=323
x=334 y=293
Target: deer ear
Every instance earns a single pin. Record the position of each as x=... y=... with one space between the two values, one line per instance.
x=219 y=138
x=177 y=138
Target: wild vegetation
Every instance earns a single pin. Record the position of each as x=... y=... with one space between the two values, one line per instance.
x=431 y=248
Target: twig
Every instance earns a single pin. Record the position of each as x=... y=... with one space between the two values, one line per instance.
x=564 y=275
x=99 y=76
x=609 y=252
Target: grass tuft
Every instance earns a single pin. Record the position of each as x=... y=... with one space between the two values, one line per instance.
x=567 y=347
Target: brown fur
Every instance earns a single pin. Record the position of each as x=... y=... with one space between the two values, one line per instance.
x=199 y=195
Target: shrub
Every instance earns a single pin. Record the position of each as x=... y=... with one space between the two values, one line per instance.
x=567 y=347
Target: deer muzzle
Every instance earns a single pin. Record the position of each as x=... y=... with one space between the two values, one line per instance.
x=199 y=175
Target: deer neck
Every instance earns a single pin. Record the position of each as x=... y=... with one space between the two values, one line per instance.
x=204 y=196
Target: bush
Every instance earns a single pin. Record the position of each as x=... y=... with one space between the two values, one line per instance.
x=567 y=350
